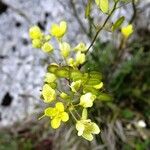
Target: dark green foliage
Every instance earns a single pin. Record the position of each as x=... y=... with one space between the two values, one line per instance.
x=126 y=75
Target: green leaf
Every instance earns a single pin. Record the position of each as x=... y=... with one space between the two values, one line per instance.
x=104 y=97
x=127 y=113
x=93 y=81
x=88 y=88
x=53 y=85
x=88 y=9
x=62 y=72
x=76 y=75
x=97 y=75
x=118 y=23
x=52 y=68
x=103 y=5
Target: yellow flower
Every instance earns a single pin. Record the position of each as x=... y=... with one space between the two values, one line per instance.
x=36 y=43
x=65 y=49
x=48 y=93
x=57 y=114
x=59 y=30
x=35 y=32
x=75 y=86
x=50 y=77
x=47 y=47
x=86 y=128
x=98 y=86
x=127 y=31
x=80 y=58
x=47 y=37
x=81 y=47
x=87 y=99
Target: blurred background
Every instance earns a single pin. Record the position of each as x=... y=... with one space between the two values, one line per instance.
x=124 y=121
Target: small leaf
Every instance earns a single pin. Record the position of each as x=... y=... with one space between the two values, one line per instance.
x=97 y=75
x=118 y=23
x=88 y=9
x=93 y=81
x=52 y=68
x=76 y=75
x=104 y=97
x=103 y=5
x=88 y=88
x=62 y=72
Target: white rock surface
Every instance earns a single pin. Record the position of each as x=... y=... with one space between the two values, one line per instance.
x=23 y=68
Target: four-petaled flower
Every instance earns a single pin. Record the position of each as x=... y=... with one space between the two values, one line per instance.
x=127 y=31
x=86 y=128
x=48 y=93
x=87 y=99
x=57 y=114
x=58 y=30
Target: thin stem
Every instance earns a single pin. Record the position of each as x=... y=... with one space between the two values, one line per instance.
x=134 y=11
x=73 y=115
x=77 y=17
x=99 y=30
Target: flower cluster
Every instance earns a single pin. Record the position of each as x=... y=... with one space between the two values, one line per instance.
x=82 y=89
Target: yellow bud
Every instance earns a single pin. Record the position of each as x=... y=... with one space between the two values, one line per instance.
x=71 y=62
x=59 y=30
x=75 y=86
x=47 y=47
x=50 y=77
x=64 y=95
x=127 y=31
x=47 y=37
x=81 y=47
x=80 y=58
x=36 y=43
x=65 y=49
x=35 y=32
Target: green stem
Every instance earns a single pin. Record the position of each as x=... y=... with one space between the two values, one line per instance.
x=99 y=30
x=73 y=115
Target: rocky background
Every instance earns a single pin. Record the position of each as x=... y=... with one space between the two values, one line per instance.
x=22 y=68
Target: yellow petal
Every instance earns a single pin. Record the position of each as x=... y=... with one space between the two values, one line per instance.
x=65 y=117
x=95 y=128
x=55 y=123
x=75 y=85
x=47 y=47
x=88 y=137
x=127 y=31
x=59 y=30
x=48 y=93
x=81 y=47
x=35 y=32
x=63 y=27
x=60 y=106
x=36 y=43
x=49 y=112
x=65 y=49
x=50 y=77
x=80 y=58
x=87 y=99
x=71 y=62
x=80 y=127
